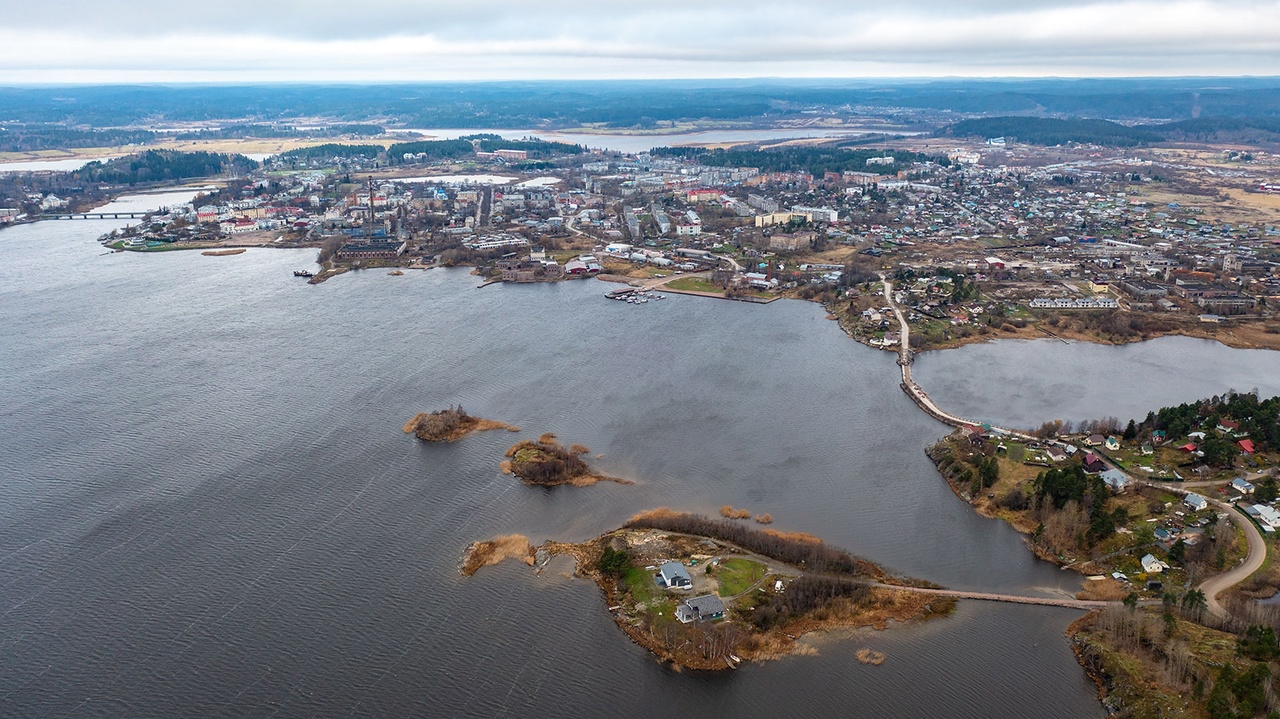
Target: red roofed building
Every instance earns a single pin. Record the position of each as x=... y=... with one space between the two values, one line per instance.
x=1246 y=445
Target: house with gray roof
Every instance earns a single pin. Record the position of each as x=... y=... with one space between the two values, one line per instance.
x=673 y=575
x=705 y=608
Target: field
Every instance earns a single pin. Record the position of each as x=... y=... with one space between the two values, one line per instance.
x=737 y=575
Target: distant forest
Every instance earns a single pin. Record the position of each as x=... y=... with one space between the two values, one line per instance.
x=235 y=132
x=533 y=146
x=433 y=149
x=814 y=160
x=1054 y=131
x=330 y=150
x=635 y=103
x=30 y=137
x=164 y=165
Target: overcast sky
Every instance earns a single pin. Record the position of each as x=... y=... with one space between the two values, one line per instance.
x=427 y=40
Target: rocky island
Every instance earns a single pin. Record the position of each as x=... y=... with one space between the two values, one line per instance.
x=548 y=463
x=450 y=425
x=708 y=594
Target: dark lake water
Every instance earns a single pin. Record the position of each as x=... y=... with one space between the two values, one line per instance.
x=208 y=508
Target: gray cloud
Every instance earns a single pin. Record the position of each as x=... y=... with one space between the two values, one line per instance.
x=402 y=40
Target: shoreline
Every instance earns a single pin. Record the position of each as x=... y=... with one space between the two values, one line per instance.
x=724 y=643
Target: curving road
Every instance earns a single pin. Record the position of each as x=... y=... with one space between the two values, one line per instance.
x=1211 y=587
x=1253 y=561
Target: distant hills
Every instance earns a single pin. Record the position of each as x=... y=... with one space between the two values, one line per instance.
x=631 y=104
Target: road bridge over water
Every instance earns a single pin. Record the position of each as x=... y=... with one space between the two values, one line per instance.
x=96 y=216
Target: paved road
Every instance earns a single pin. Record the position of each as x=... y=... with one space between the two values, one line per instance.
x=1008 y=598
x=1211 y=587
x=1215 y=585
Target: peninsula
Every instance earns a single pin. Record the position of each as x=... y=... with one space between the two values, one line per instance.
x=708 y=594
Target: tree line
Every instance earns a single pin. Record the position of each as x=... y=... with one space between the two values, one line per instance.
x=815 y=160
x=1258 y=419
x=802 y=550
x=330 y=150
x=20 y=137
x=164 y=165
x=1057 y=131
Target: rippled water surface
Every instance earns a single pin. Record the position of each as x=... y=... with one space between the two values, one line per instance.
x=208 y=508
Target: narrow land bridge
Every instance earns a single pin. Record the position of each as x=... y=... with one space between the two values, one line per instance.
x=1211 y=587
x=1007 y=598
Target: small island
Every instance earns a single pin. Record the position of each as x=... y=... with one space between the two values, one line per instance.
x=547 y=463
x=708 y=594
x=450 y=425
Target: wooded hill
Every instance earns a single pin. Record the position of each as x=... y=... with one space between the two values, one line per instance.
x=164 y=165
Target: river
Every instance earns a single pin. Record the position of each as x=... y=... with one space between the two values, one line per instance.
x=208 y=508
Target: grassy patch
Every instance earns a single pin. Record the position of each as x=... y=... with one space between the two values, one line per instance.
x=737 y=575
x=694 y=284
x=641 y=584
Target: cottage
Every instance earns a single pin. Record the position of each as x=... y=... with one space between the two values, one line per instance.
x=1057 y=454
x=1246 y=446
x=1112 y=444
x=1268 y=518
x=1094 y=440
x=1093 y=463
x=1242 y=485
x=1195 y=502
x=673 y=575
x=1151 y=565
x=707 y=607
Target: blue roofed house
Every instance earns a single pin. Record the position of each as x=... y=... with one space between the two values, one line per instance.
x=1195 y=501
x=1242 y=485
x=673 y=575
x=1116 y=480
